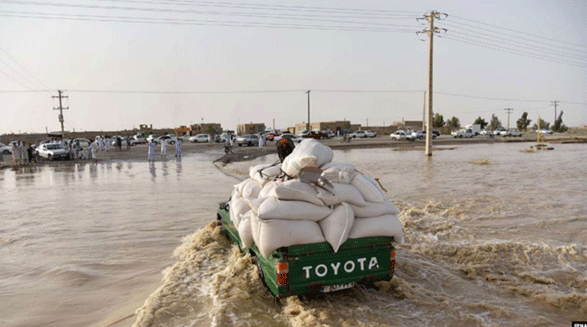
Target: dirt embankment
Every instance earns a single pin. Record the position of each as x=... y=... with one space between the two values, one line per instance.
x=139 y=152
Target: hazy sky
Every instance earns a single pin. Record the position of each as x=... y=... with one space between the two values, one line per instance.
x=113 y=65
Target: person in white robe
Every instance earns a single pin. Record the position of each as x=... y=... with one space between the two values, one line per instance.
x=151 y=150
x=178 y=148
x=107 y=144
x=163 y=148
x=94 y=150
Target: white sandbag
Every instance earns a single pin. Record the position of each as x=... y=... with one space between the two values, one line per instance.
x=369 y=188
x=275 y=233
x=308 y=153
x=239 y=187
x=268 y=188
x=375 y=209
x=297 y=191
x=339 y=166
x=333 y=175
x=255 y=227
x=337 y=226
x=254 y=204
x=273 y=208
x=251 y=189
x=244 y=230
x=341 y=193
x=386 y=225
x=264 y=172
x=238 y=207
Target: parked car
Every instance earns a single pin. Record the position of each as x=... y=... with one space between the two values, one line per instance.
x=498 y=131
x=484 y=132
x=247 y=139
x=199 y=138
x=5 y=149
x=512 y=132
x=359 y=134
x=371 y=133
x=124 y=141
x=139 y=139
x=152 y=137
x=544 y=131
x=316 y=135
x=330 y=134
x=52 y=151
x=422 y=135
x=402 y=135
x=83 y=142
x=463 y=133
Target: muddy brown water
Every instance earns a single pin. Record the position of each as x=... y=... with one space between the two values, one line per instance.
x=494 y=236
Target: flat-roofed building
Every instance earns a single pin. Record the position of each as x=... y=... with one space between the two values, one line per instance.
x=250 y=128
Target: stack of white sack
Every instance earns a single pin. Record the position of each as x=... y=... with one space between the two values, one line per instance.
x=274 y=214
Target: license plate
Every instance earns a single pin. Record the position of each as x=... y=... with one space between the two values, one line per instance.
x=337 y=287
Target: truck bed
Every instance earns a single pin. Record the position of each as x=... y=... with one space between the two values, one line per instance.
x=300 y=269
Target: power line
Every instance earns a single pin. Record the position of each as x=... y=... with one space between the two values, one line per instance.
x=150 y=20
x=347 y=13
x=509 y=41
x=19 y=65
x=185 y=92
x=516 y=31
x=487 y=98
x=517 y=52
x=184 y=11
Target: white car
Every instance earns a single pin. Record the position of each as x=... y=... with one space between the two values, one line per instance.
x=359 y=134
x=371 y=133
x=83 y=142
x=5 y=149
x=402 y=135
x=199 y=138
x=294 y=138
x=463 y=133
x=544 y=131
x=512 y=132
x=52 y=151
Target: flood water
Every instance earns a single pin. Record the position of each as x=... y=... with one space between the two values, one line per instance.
x=494 y=236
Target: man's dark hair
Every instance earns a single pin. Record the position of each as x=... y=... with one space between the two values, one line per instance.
x=285 y=146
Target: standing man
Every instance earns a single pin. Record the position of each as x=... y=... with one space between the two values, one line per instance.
x=164 y=148
x=94 y=150
x=151 y=150
x=178 y=148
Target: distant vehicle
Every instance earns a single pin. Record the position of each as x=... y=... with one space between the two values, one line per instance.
x=52 y=151
x=330 y=134
x=123 y=142
x=371 y=133
x=200 y=138
x=359 y=134
x=140 y=139
x=484 y=132
x=152 y=137
x=402 y=135
x=476 y=128
x=498 y=131
x=422 y=135
x=272 y=135
x=512 y=132
x=463 y=133
x=544 y=131
x=5 y=149
x=171 y=139
x=83 y=142
x=294 y=138
x=247 y=139
x=316 y=135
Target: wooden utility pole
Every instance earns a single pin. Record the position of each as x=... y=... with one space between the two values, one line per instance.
x=61 y=120
x=554 y=103
x=431 y=31
x=509 y=110
x=308 y=126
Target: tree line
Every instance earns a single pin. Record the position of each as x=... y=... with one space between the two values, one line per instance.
x=522 y=123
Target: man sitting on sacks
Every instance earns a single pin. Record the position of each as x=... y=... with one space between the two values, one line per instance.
x=310 y=205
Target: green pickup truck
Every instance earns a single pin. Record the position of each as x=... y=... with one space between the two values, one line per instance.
x=315 y=268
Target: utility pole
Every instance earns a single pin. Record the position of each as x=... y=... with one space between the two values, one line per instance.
x=554 y=103
x=431 y=31
x=424 y=112
x=509 y=111
x=60 y=96
x=308 y=126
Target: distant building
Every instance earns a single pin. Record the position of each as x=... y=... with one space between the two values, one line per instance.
x=250 y=128
x=211 y=128
x=144 y=128
x=332 y=126
x=408 y=124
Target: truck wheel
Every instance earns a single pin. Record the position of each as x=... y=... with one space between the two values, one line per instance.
x=5 y=152
x=49 y=157
x=260 y=271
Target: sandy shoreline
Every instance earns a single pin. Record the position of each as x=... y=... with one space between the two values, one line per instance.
x=139 y=152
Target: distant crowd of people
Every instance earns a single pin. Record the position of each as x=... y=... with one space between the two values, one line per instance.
x=164 y=143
